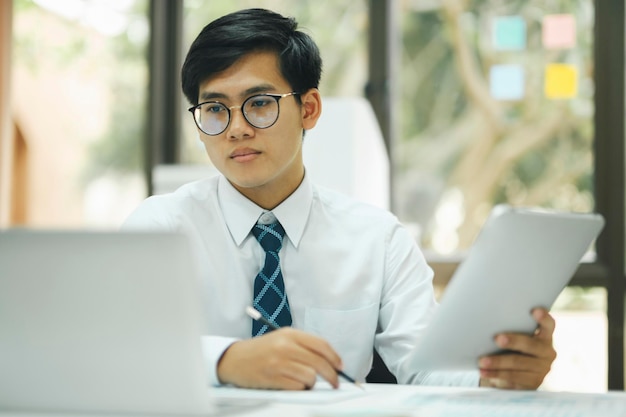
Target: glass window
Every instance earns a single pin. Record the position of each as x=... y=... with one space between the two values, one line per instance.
x=580 y=339
x=79 y=77
x=496 y=107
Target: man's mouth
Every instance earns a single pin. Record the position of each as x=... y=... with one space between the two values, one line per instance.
x=243 y=155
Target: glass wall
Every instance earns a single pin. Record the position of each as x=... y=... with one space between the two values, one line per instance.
x=79 y=78
x=496 y=102
x=496 y=107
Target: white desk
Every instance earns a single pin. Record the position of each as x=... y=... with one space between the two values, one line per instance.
x=380 y=400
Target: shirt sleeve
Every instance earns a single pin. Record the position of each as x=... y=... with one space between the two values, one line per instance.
x=150 y=215
x=213 y=347
x=407 y=306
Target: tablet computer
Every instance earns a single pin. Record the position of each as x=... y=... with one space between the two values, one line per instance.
x=521 y=259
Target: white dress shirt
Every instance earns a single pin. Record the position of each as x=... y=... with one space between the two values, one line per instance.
x=353 y=274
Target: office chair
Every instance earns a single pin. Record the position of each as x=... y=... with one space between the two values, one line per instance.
x=380 y=373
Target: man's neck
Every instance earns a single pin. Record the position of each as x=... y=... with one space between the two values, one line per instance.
x=269 y=197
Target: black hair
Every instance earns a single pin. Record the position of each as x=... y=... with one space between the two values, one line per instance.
x=227 y=39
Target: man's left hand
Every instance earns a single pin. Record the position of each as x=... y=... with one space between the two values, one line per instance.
x=528 y=363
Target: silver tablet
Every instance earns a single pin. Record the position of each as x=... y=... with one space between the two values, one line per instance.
x=521 y=259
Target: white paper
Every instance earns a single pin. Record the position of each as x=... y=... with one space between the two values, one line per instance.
x=487 y=403
x=480 y=402
x=322 y=393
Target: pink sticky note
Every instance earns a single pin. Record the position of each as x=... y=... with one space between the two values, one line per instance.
x=559 y=31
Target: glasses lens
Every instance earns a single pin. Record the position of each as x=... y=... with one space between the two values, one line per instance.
x=261 y=111
x=212 y=118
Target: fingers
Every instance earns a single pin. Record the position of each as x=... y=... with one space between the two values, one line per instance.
x=283 y=359
x=530 y=360
x=320 y=347
x=294 y=376
x=502 y=383
x=514 y=371
x=546 y=323
x=538 y=345
x=318 y=354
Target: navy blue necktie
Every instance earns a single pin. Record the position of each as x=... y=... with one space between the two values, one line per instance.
x=270 y=298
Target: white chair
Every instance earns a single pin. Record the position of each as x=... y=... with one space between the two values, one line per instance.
x=346 y=151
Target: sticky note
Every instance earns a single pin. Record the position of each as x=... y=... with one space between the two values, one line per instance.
x=561 y=81
x=559 y=31
x=509 y=33
x=506 y=82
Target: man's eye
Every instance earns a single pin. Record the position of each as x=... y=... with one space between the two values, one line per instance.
x=260 y=102
x=213 y=108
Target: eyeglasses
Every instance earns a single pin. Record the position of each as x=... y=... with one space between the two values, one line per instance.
x=260 y=111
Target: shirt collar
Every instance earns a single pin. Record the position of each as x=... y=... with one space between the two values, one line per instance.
x=241 y=214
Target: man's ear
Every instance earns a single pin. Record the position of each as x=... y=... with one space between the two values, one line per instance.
x=311 y=108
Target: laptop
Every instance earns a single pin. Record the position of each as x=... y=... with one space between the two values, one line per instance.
x=521 y=259
x=104 y=322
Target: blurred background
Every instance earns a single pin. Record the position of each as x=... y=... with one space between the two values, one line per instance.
x=480 y=103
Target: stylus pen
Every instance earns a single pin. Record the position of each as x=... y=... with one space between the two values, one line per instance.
x=252 y=312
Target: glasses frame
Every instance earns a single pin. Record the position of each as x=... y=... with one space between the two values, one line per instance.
x=277 y=97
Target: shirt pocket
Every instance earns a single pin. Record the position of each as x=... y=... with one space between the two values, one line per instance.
x=350 y=332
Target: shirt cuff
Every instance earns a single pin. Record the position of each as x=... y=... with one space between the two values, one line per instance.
x=213 y=347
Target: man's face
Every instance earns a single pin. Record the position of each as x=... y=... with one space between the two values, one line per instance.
x=263 y=164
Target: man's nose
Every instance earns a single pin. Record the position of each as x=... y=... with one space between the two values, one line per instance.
x=238 y=126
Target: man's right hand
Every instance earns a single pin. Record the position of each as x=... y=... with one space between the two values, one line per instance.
x=287 y=359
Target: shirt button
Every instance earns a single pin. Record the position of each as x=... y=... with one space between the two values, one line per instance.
x=267 y=218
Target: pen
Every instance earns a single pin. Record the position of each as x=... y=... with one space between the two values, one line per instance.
x=252 y=312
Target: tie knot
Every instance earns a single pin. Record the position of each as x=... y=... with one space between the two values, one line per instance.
x=270 y=236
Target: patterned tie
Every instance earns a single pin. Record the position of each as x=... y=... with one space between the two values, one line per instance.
x=270 y=298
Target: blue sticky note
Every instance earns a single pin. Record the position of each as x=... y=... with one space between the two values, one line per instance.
x=509 y=33
x=506 y=82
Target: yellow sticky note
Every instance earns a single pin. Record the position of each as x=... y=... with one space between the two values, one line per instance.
x=561 y=81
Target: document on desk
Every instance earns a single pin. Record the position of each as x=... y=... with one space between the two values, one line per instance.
x=500 y=403
x=322 y=393
x=478 y=402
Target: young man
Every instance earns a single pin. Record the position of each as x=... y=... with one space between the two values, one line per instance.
x=345 y=278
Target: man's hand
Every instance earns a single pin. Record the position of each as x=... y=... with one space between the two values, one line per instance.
x=530 y=361
x=283 y=359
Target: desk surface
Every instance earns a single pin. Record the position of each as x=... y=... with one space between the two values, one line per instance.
x=381 y=400
x=378 y=400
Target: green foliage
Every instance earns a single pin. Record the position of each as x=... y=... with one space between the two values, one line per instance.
x=532 y=151
x=23 y=5
x=121 y=149
x=66 y=48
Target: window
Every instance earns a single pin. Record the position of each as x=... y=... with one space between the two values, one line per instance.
x=79 y=78
x=496 y=107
